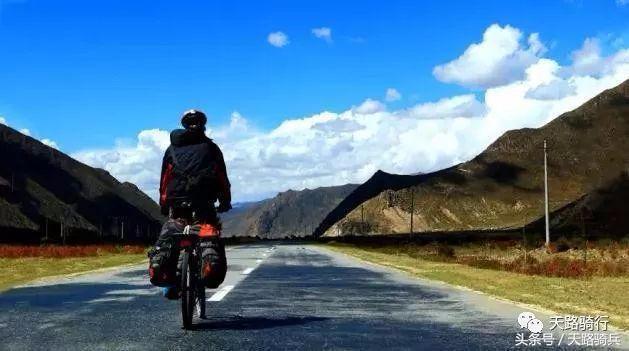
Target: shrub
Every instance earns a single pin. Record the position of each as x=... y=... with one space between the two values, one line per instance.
x=612 y=268
x=445 y=251
x=562 y=244
x=57 y=251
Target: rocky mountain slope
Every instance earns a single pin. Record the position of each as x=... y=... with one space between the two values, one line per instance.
x=600 y=213
x=47 y=195
x=503 y=186
x=289 y=214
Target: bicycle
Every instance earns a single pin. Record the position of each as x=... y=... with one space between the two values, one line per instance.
x=192 y=287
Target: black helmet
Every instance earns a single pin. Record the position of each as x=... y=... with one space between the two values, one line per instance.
x=193 y=119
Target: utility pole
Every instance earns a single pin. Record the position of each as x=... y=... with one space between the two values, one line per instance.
x=412 y=208
x=122 y=231
x=46 y=229
x=12 y=181
x=362 y=219
x=546 y=194
x=524 y=242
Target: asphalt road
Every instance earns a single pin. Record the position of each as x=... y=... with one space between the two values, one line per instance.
x=284 y=297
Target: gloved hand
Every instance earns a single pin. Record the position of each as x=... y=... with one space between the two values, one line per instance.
x=223 y=207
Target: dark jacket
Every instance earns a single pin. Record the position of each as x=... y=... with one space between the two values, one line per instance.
x=194 y=153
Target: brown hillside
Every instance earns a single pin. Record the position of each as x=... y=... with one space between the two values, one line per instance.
x=503 y=186
x=43 y=189
x=289 y=214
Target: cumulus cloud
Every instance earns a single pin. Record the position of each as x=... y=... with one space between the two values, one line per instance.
x=464 y=106
x=25 y=131
x=499 y=59
x=238 y=128
x=2 y=120
x=324 y=33
x=555 y=90
x=370 y=106
x=139 y=163
x=50 y=143
x=278 y=39
x=332 y=148
x=589 y=60
x=392 y=95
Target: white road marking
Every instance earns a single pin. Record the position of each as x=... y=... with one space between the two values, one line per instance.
x=248 y=270
x=219 y=295
x=112 y=299
x=144 y=292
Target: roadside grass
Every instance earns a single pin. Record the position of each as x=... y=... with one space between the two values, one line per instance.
x=39 y=262
x=586 y=295
x=60 y=251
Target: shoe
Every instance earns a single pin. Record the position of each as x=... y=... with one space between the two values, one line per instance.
x=171 y=292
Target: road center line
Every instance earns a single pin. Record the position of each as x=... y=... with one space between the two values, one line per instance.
x=248 y=270
x=219 y=295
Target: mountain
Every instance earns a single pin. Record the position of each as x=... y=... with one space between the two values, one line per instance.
x=503 y=186
x=45 y=193
x=289 y=214
x=601 y=213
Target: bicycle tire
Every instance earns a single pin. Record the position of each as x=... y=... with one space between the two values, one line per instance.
x=188 y=291
x=201 y=300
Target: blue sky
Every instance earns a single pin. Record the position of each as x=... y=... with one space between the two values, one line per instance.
x=85 y=73
x=295 y=90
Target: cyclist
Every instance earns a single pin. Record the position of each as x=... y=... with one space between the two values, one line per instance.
x=193 y=178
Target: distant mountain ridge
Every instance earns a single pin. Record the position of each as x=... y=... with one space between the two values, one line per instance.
x=45 y=193
x=503 y=186
x=289 y=214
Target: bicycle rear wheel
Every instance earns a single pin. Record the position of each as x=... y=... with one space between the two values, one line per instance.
x=188 y=290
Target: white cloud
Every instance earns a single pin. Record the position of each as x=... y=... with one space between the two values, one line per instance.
x=238 y=128
x=464 y=106
x=392 y=95
x=324 y=33
x=622 y=2
x=139 y=163
x=588 y=60
x=500 y=58
x=50 y=143
x=555 y=90
x=278 y=39
x=3 y=120
x=370 y=106
x=25 y=131
x=331 y=148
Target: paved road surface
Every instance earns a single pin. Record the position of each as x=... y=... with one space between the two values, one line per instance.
x=284 y=297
